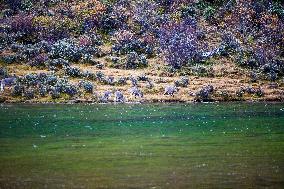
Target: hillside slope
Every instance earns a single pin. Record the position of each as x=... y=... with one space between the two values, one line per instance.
x=141 y=51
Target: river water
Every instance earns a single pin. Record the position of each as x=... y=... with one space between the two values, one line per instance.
x=218 y=145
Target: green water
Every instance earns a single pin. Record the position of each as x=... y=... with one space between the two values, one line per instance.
x=234 y=145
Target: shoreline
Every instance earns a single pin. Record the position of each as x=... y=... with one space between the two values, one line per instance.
x=271 y=101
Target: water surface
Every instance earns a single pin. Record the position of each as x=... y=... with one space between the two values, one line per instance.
x=227 y=145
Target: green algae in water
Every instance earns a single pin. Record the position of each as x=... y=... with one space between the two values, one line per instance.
x=227 y=145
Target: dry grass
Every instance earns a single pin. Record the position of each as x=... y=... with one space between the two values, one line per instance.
x=228 y=79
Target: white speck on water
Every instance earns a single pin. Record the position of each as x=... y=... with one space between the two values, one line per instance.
x=89 y=127
x=42 y=136
x=35 y=146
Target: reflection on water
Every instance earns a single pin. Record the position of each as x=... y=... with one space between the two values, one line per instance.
x=233 y=145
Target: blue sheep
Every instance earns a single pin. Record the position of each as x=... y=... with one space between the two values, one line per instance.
x=136 y=92
x=170 y=90
x=119 y=97
x=7 y=82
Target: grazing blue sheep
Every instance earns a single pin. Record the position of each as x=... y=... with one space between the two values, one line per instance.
x=170 y=90
x=122 y=81
x=183 y=82
x=119 y=97
x=7 y=82
x=142 y=77
x=110 y=80
x=106 y=96
x=133 y=80
x=134 y=91
x=149 y=84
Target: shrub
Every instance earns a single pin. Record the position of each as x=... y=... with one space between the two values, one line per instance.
x=62 y=86
x=88 y=59
x=202 y=71
x=17 y=90
x=31 y=79
x=3 y=73
x=54 y=94
x=22 y=23
x=88 y=75
x=205 y=92
x=50 y=80
x=146 y=16
x=29 y=94
x=259 y=30
x=57 y=63
x=127 y=42
x=133 y=61
x=73 y=71
x=100 y=76
x=44 y=46
x=14 y=4
x=70 y=89
x=253 y=76
x=9 y=58
x=122 y=81
x=42 y=90
x=250 y=90
x=259 y=92
x=39 y=60
x=178 y=43
x=88 y=86
x=115 y=17
x=15 y=47
x=66 y=49
x=30 y=51
x=183 y=82
x=240 y=92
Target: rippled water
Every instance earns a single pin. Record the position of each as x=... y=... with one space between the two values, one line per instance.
x=227 y=145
